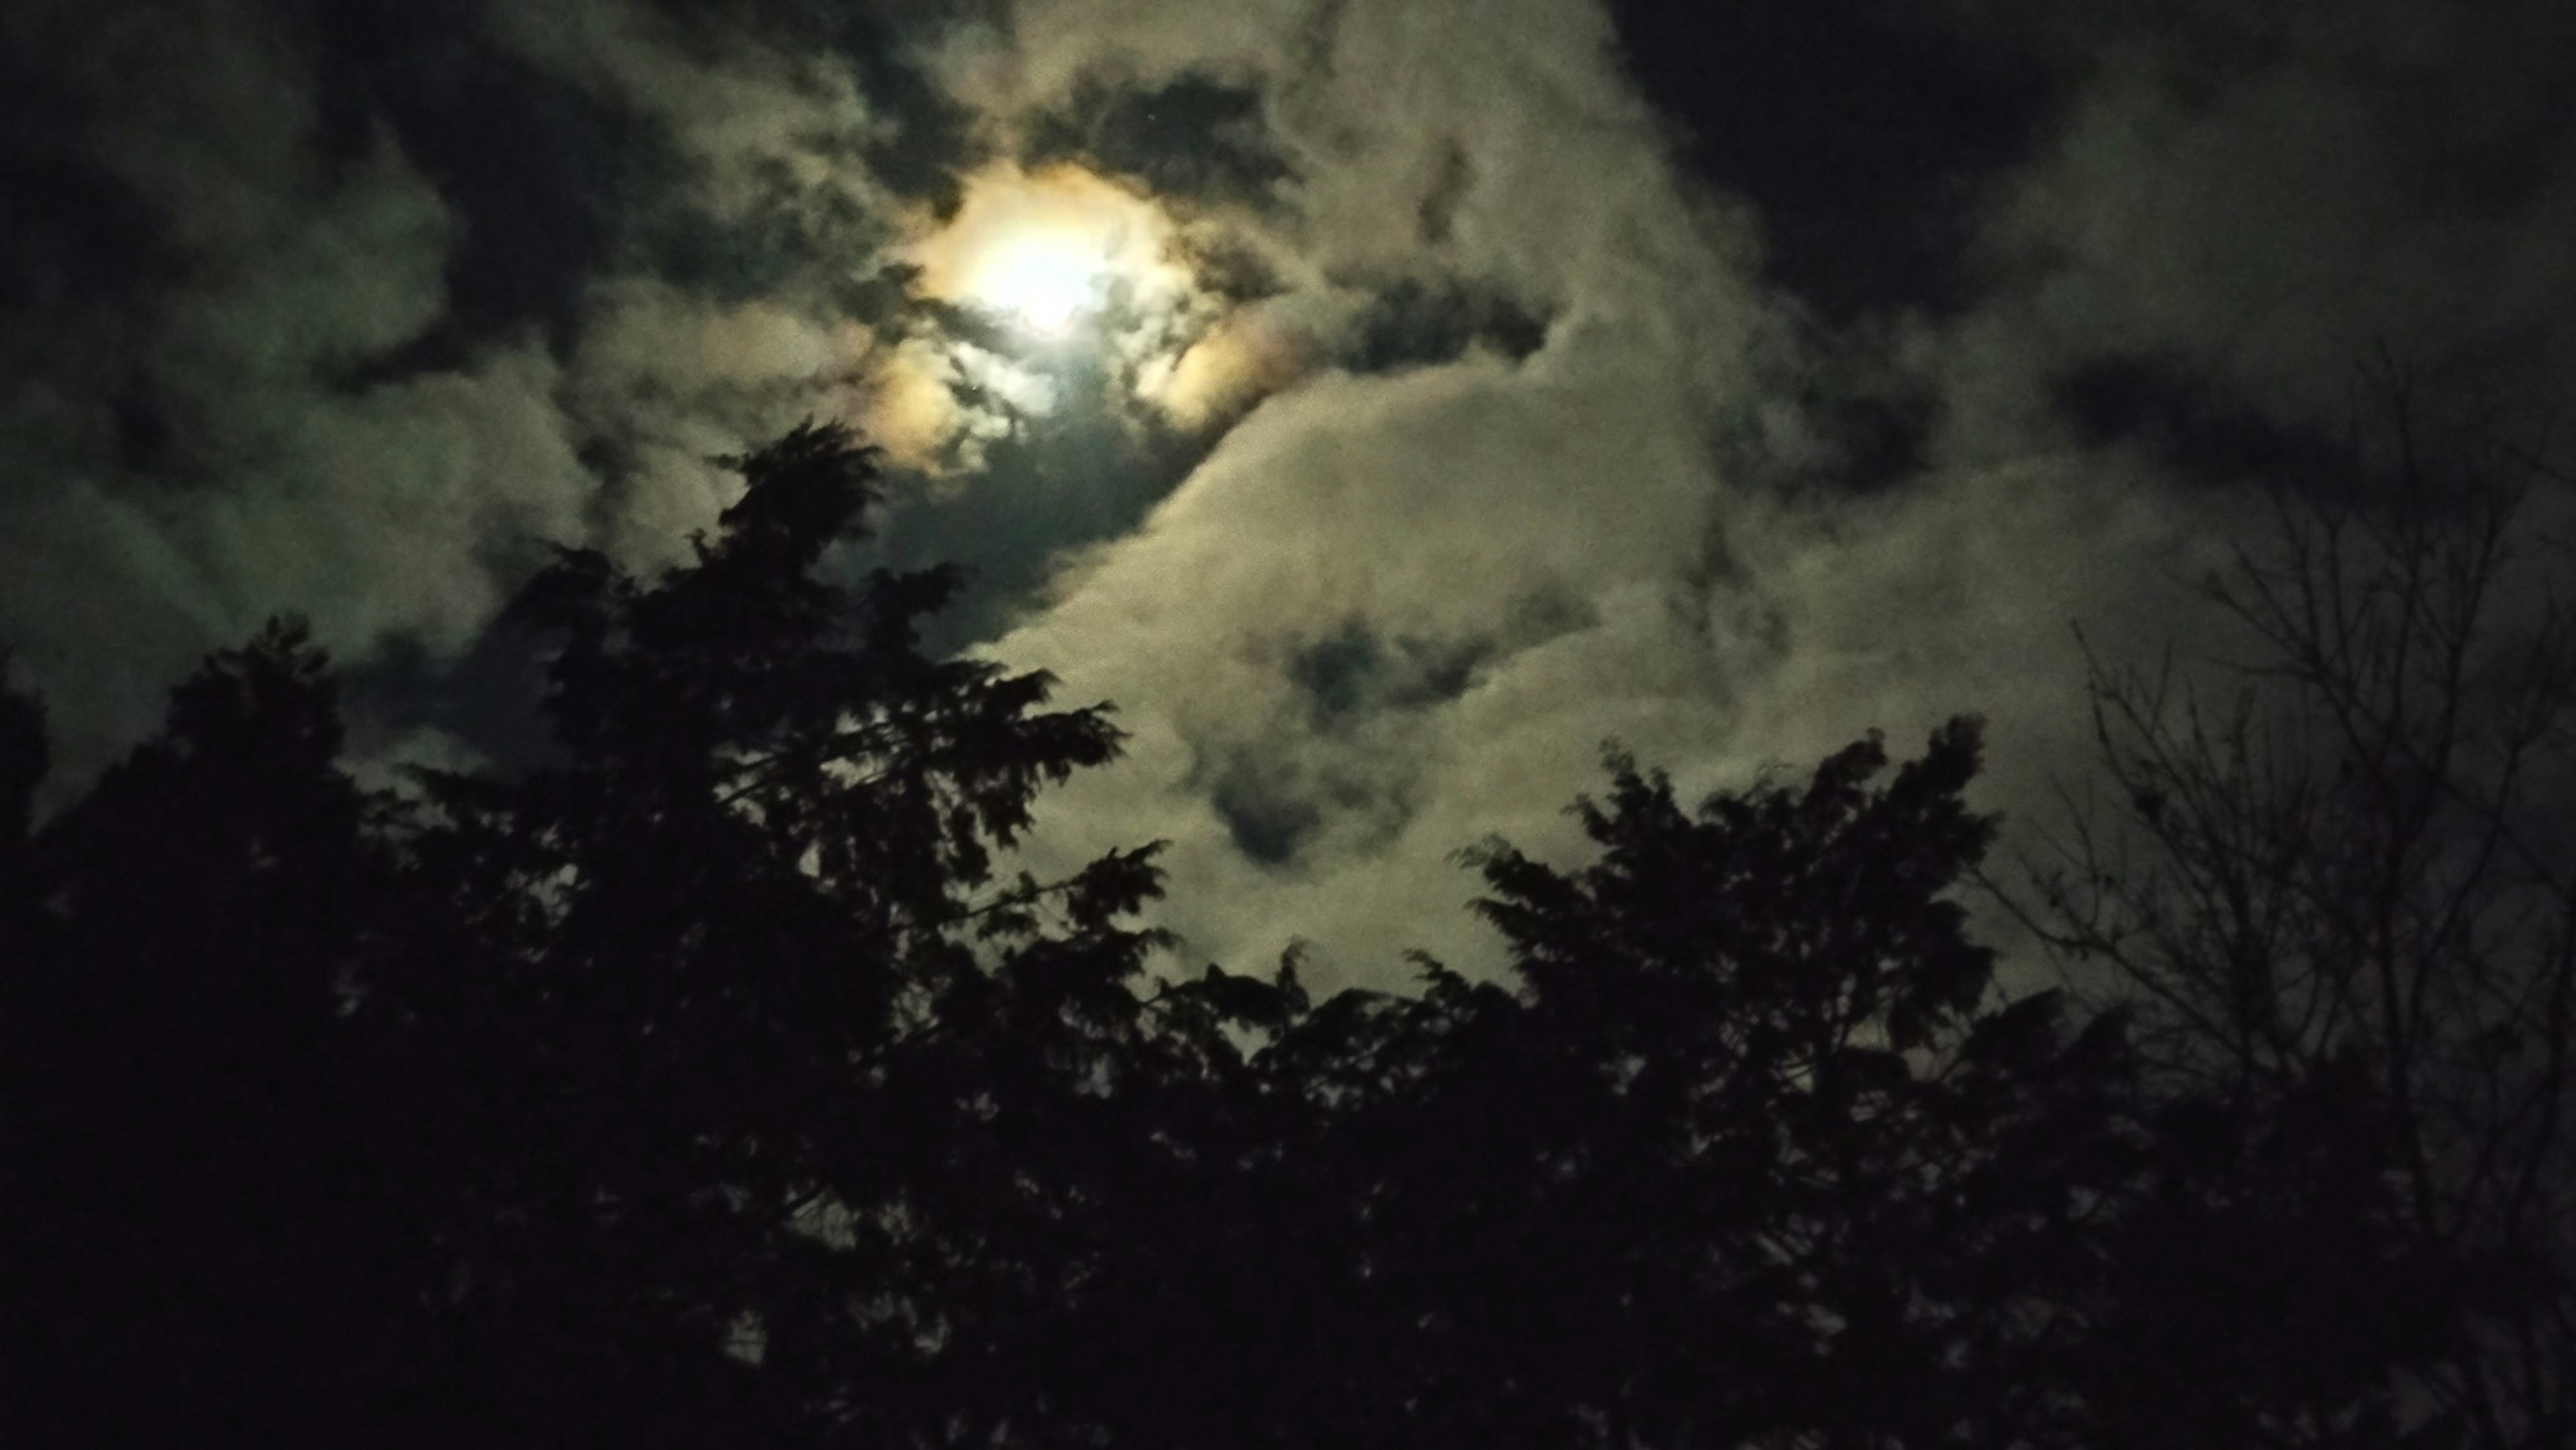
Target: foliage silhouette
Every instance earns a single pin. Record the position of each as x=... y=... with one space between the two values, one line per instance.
x=712 y=1083
x=192 y=1213
x=2354 y=873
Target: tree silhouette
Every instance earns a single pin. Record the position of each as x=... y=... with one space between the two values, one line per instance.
x=2352 y=877
x=1747 y=1152
x=741 y=963
x=192 y=1216
x=1744 y=1160
x=714 y=1082
x=22 y=771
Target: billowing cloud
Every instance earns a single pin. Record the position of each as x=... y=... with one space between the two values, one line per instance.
x=1366 y=395
x=1325 y=637
x=1393 y=612
x=277 y=401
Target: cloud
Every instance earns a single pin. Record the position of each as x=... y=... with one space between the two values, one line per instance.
x=202 y=446
x=2268 y=200
x=1253 y=351
x=755 y=122
x=1481 y=432
x=269 y=401
x=1502 y=549
x=1395 y=610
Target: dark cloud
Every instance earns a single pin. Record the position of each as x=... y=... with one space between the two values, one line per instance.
x=538 y=173
x=1354 y=672
x=1268 y=819
x=933 y=142
x=1278 y=795
x=1410 y=323
x=2163 y=410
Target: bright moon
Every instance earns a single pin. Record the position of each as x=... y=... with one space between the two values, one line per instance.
x=1045 y=279
x=1044 y=250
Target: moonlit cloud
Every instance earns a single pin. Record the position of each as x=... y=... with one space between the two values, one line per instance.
x=1369 y=396
x=1392 y=613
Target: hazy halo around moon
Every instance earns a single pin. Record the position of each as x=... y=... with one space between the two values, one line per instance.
x=1073 y=265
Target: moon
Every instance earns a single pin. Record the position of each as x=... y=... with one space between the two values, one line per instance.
x=1045 y=251
x=1076 y=268
x=1044 y=279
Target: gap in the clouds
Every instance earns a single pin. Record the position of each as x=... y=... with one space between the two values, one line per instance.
x=1880 y=440
x=1091 y=467
x=2186 y=420
x=144 y=429
x=1322 y=768
x=1268 y=820
x=1834 y=411
x=2206 y=427
x=1086 y=471
x=1356 y=670
x=1411 y=323
x=75 y=235
x=1868 y=421
x=787 y=235
x=1862 y=130
x=1275 y=805
x=1191 y=139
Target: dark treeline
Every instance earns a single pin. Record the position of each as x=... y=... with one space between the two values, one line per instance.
x=712 y=1085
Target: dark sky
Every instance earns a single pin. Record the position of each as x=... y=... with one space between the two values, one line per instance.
x=1477 y=379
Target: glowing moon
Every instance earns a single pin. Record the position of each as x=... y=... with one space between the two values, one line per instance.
x=1045 y=250
x=1076 y=266
x=1045 y=279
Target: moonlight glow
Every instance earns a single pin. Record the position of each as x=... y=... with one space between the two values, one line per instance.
x=1045 y=280
x=1043 y=251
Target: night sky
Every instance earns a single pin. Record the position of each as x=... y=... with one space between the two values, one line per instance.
x=1384 y=402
